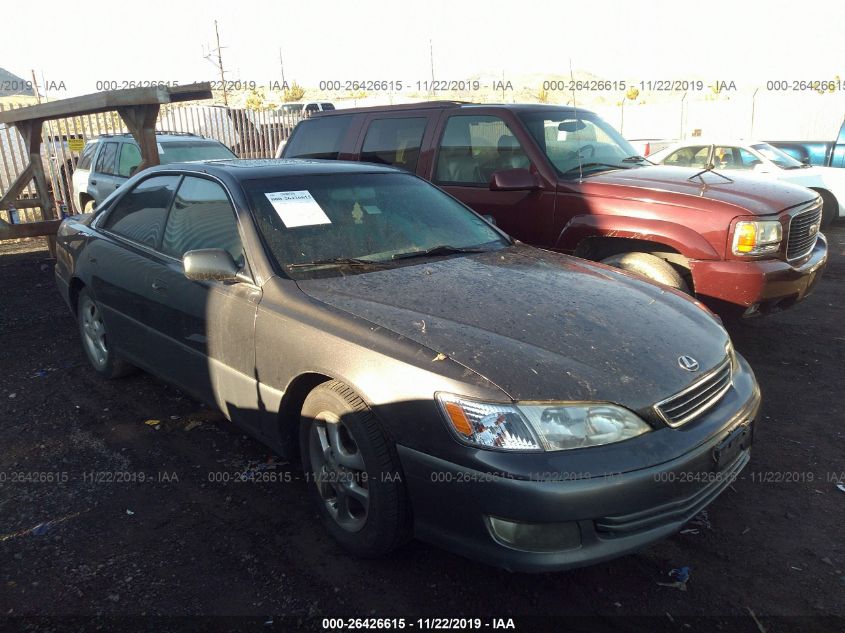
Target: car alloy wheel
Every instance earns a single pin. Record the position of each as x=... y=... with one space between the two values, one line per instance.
x=339 y=471
x=94 y=333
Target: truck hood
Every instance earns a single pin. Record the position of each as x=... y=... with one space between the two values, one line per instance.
x=748 y=195
x=539 y=325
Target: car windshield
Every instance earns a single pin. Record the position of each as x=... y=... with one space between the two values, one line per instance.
x=777 y=156
x=183 y=151
x=341 y=222
x=581 y=144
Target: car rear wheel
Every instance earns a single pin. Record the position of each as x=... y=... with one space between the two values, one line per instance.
x=649 y=266
x=352 y=472
x=95 y=342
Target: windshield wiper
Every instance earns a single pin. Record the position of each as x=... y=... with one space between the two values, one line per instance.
x=589 y=165
x=337 y=261
x=637 y=159
x=442 y=249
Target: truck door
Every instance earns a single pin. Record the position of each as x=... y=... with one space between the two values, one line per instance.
x=470 y=149
x=103 y=179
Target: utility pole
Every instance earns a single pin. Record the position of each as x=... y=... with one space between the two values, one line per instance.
x=219 y=64
x=431 y=63
x=282 y=66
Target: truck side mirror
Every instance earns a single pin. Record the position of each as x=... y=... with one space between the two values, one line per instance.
x=518 y=179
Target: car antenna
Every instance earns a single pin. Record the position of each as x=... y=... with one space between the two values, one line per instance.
x=710 y=167
x=575 y=109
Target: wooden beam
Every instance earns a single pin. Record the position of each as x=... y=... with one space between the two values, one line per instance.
x=141 y=121
x=16 y=187
x=29 y=229
x=107 y=101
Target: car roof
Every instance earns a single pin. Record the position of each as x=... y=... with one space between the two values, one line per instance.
x=450 y=105
x=248 y=169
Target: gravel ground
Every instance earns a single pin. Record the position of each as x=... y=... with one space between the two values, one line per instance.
x=109 y=506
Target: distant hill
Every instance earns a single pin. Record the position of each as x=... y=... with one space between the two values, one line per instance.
x=11 y=84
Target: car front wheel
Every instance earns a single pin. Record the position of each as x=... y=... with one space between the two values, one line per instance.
x=352 y=472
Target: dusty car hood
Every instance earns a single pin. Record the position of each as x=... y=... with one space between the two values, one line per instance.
x=540 y=325
x=752 y=195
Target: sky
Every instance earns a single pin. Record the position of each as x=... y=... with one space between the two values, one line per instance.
x=748 y=42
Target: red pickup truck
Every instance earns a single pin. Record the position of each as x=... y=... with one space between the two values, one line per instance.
x=563 y=179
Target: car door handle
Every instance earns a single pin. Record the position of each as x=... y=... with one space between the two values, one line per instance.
x=159 y=286
x=93 y=182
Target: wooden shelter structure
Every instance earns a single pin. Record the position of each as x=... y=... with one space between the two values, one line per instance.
x=139 y=109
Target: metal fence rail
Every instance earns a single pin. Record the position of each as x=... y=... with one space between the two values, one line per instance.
x=248 y=133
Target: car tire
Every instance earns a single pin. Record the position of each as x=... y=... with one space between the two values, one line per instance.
x=92 y=331
x=650 y=267
x=352 y=472
x=830 y=208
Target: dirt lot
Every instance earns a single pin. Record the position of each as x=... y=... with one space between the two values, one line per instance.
x=767 y=556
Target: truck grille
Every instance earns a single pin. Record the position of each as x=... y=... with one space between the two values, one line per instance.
x=698 y=397
x=803 y=232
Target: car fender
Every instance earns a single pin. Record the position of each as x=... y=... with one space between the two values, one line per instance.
x=684 y=240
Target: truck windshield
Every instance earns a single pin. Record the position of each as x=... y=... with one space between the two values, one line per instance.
x=778 y=157
x=360 y=222
x=584 y=141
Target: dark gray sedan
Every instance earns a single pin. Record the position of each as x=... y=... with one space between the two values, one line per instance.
x=435 y=378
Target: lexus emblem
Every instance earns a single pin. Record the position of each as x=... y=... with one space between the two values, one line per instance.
x=688 y=363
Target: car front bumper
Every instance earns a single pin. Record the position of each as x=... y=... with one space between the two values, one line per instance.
x=608 y=515
x=767 y=284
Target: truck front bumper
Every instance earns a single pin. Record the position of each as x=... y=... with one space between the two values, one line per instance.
x=759 y=286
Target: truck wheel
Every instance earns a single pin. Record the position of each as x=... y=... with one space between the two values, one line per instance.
x=352 y=472
x=830 y=208
x=648 y=266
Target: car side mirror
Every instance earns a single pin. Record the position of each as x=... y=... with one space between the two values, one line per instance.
x=210 y=264
x=761 y=168
x=805 y=160
x=519 y=179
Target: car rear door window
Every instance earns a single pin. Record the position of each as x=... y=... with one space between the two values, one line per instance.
x=201 y=217
x=473 y=147
x=318 y=138
x=130 y=158
x=140 y=215
x=107 y=159
x=86 y=156
x=394 y=142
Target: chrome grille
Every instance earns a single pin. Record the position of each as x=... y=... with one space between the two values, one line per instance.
x=698 y=397
x=803 y=232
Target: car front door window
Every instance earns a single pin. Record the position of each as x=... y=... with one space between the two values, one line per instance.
x=201 y=217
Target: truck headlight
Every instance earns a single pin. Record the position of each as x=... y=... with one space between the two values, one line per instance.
x=753 y=237
x=539 y=426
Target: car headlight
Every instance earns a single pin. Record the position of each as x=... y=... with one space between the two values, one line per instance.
x=540 y=426
x=757 y=237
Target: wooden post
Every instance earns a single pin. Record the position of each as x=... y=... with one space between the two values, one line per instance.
x=31 y=132
x=141 y=121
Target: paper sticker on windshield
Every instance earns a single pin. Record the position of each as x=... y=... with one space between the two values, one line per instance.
x=297 y=208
